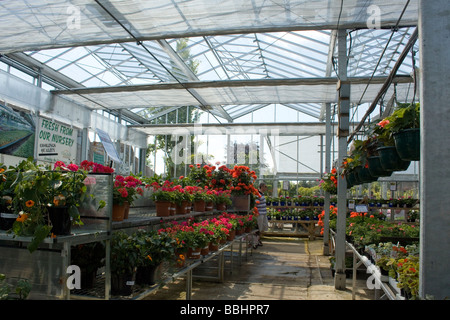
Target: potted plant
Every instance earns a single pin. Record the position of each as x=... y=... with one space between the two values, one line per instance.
x=179 y=199
x=7 y=215
x=19 y=291
x=163 y=196
x=221 y=178
x=193 y=239
x=124 y=257
x=242 y=187
x=199 y=199
x=153 y=249
x=404 y=123
x=199 y=175
x=29 y=202
x=66 y=192
x=329 y=182
x=89 y=257
x=223 y=199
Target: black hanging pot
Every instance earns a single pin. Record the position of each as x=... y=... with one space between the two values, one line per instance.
x=375 y=168
x=364 y=175
x=390 y=160
x=349 y=177
x=407 y=143
x=356 y=176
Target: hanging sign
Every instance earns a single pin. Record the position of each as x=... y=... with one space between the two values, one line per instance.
x=108 y=145
x=56 y=141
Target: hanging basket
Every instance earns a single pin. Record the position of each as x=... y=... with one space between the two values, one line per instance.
x=349 y=182
x=352 y=179
x=375 y=168
x=365 y=176
x=407 y=143
x=390 y=160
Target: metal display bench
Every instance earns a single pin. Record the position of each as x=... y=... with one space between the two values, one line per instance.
x=188 y=271
x=379 y=285
x=46 y=268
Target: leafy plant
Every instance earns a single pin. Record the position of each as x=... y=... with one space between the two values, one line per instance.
x=124 y=255
x=153 y=247
x=9 y=292
x=88 y=256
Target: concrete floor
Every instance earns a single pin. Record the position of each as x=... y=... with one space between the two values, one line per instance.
x=282 y=269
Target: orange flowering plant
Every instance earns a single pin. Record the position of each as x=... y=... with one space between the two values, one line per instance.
x=28 y=202
x=243 y=180
x=37 y=188
x=329 y=182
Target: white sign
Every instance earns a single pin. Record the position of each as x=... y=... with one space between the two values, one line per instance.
x=108 y=145
x=56 y=141
x=361 y=208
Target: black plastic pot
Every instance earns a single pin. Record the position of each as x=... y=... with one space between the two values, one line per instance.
x=407 y=143
x=390 y=160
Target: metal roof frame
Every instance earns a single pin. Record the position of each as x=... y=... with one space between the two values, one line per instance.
x=275 y=41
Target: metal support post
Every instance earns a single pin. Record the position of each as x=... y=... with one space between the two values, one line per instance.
x=434 y=32
x=343 y=130
x=326 y=220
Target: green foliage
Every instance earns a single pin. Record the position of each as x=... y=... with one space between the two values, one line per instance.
x=88 y=256
x=153 y=248
x=18 y=292
x=124 y=255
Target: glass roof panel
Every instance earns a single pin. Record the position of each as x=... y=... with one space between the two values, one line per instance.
x=135 y=42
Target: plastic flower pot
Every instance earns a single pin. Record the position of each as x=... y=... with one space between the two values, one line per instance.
x=407 y=143
x=375 y=168
x=390 y=160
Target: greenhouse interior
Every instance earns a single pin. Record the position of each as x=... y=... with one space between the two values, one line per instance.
x=311 y=131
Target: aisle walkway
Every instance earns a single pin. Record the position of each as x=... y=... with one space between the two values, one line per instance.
x=282 y=269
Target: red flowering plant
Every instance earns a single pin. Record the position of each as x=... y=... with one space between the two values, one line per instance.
x=199 y=194
x=95 y=167
x=223 y=197
x=126 y=189
x=221 y=178
x=199 y=175
x=163 y=192
x=181 y=194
